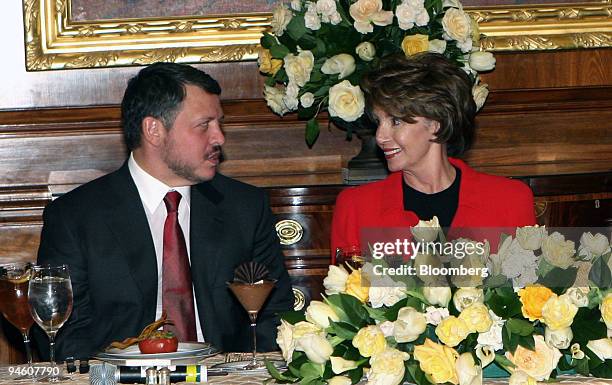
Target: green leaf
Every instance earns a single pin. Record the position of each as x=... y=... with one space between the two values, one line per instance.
x=312 y=132
x=496 y=281
x=503 y=362
x=283 y=377
x=511 y=341
x=293 y=316
x=342 y=330
x=564 y=364
x=279 y=51
x=312 y=370
x=582 y=366
x=355 y=374
x=376 y=314
x=268 y=41
x=415 y=374
x=600 y=273
x=353 y=310
x=558 y=277
x=270 y=81
x=603 y=371
x=527 y=342
x=336 y=340
x=520 y=327
x=504 y=302
x=296 y=27
x=587 y=326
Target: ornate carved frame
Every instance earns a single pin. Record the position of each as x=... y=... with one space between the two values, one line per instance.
x=53 y=41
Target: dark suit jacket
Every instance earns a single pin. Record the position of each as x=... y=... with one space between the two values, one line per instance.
x=100 y=230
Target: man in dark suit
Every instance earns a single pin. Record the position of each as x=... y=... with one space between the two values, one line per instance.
x=164 y=231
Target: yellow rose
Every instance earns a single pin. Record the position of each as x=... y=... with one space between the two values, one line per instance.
x=558 y=312
x=438 y=361
x=533 y=299
x=606 y=310
x=387 y=367
x=370 y=340
x=319 y=313
x=340 y=365
x=414 y=44
x=358 y=286
x=539 y=363
x=346 y=101
x=302 y=328
x=477 y=318
x=267 y=64
x=452 y=330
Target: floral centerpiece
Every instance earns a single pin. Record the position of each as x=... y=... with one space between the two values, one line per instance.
x=543 y=309
x=319 y=50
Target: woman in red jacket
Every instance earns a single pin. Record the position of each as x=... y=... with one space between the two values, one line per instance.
x=425 y=111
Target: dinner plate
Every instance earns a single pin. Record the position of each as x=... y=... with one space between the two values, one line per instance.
x=186 y=350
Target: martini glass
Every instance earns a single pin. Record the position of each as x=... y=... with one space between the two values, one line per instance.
x=252 y=297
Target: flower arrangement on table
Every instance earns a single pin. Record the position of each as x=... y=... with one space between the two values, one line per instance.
x=544 y=309
x=319 y=50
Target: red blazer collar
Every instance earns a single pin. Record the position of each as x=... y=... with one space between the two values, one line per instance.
x=392 y=207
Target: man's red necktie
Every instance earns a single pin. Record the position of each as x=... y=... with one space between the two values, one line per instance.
x=177 y=292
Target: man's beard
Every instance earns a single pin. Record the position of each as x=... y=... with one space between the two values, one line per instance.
x=182 y=168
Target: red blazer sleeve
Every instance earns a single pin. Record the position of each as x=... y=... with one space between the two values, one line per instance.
x=345 y=231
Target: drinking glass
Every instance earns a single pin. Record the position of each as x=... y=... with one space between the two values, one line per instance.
x=252 y=297
x=50 y=299
x=350 y=255
x=14 y=279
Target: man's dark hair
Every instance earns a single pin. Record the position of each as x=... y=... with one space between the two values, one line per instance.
x=426 y=85
x=158 y=91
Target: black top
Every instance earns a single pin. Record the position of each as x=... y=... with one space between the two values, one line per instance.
x=442 y=204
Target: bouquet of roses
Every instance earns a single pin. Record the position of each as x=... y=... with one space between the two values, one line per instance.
x=319 y=50
x=543 y=309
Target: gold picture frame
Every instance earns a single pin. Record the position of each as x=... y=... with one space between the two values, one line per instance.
x=53 y=41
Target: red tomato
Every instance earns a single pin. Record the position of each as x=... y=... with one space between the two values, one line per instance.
x=159 y=344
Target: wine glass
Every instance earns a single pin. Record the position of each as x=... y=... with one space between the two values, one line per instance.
x=252 y=297
x=350 y=255
x=50 y=299
x=14 y=279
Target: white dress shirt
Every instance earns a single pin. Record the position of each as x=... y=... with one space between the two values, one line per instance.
x=152 y=193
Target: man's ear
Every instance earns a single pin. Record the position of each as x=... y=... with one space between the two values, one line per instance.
x=153 y=130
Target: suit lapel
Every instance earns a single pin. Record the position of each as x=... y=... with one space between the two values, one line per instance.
x=129 y=225
x=205 y=235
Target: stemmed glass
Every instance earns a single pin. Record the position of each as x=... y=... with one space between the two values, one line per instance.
x=14 y=279
x=252 y=297
x=50 y=298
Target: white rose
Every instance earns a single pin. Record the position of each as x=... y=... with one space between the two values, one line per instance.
x=366 y=51
x=602 y=348
x=342 y=64
x=466 y=296
x=457 y=25
x=405 y=15
x=317 y=348
x=531 y=237
x=346 y=101
x=319 y=313
x=366 y=12
x=340 y=365
x=435 y=315
x=339 y=380
x=482 y=61
x=560 y=339
x=426 y=231
x=410 y=324
x=592 y=246
x=290 y=98
x=452 y=4
x=326 y=8
x=384 y=291
x=469 y=373
x=387 y=328
x=302 y=328
x=493 y=338
x=512 y=260
x=299 y=67
x=557 y=251
x=422 y=18
x=387 y=367
x=437 y=295
x=518 y=377
x=538 y=363
x=579 y=296
x=437 y=46
x=307 y=99
x=527 y=277
x=296 y=5
x=480 y=93
x=335 y=18
x=335 y=282
x=284 y=339
x=466 y=46
x=312 y=20
x=280 y=19
x=274 y=99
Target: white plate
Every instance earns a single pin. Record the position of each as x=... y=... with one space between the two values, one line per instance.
x=186 y=350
